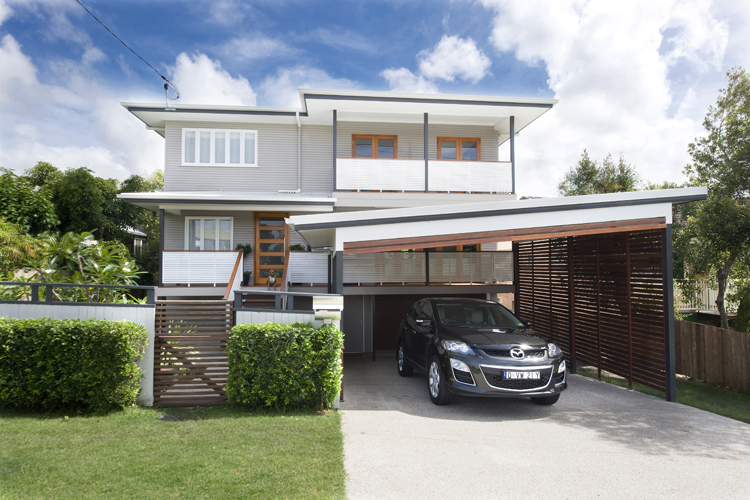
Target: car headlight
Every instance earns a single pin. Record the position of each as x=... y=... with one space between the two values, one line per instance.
x=455 y=346
x=553 y=350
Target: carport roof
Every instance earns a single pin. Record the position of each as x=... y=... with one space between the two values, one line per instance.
x=392 y=229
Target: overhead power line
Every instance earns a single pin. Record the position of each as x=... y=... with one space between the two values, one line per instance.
x=168 y=85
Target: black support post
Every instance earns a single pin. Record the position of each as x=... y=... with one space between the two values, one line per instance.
x=338 y=273
x=515 y=278
x=161 y=247
x=426 y=153
x=669 y=349
x=427 y=266
x=330 y=274
x=335 y=131
x=513 y=154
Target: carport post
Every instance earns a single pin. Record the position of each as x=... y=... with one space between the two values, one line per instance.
x=669 y=350
x=513 y=155
x=338 y=273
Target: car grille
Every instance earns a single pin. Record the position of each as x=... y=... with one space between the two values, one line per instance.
x=505 y=353
x=494 y=377
x=462 y=376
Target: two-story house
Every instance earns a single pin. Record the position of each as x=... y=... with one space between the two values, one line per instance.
x=233 y=175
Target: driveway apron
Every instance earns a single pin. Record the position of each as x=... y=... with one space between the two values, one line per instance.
x=598 y=441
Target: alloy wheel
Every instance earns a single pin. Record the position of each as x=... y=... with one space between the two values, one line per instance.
x=434 y=380
x=400 y=358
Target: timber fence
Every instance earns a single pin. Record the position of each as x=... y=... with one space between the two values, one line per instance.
x=712 y=354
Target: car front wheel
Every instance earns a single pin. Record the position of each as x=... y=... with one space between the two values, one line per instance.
x=404 y=368
x=439 y=393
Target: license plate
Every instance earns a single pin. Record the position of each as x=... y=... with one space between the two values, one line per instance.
x=521 y=375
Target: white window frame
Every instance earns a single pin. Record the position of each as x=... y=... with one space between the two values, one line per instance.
x=212 y=162
x=217 y=219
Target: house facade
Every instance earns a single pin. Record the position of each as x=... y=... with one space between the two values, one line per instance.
x=236 y=175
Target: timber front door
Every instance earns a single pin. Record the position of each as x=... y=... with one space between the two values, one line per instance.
x=271 y=239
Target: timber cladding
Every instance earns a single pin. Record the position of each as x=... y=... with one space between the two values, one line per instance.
x=600 y=298
x=190 y=360
x=712 y=354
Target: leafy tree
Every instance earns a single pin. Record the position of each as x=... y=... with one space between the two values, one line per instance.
x=716 y=237
x=588 y=177
x=21 y=204
x=17 y=249
x=42 y=174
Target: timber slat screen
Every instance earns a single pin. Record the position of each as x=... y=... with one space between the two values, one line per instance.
x=190 y=360
x=600 y=298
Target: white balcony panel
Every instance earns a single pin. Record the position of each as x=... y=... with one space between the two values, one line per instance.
x=471 y=267
x=379 y=175
x=193 y=268
x=386 y=267
x=307 y=267
x=470 y=176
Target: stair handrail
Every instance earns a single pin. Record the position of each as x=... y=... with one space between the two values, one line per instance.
x=231 y=284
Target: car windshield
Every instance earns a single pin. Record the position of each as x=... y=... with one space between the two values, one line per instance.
x=476 y=314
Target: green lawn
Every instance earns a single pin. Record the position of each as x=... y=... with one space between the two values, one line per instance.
x=709 y=397
x=211 y=452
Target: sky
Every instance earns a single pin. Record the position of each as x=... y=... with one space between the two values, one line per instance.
x=634 y=78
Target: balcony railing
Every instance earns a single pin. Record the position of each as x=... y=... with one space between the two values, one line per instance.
x=198 y=267
x=405 y=267
x=365 y=174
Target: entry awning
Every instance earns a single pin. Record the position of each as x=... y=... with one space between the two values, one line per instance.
x=400 y=229
x=230 y=200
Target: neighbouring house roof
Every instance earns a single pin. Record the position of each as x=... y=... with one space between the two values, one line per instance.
x=228 y=200
x=495 y=221
x=316 y=107
x=136 y=231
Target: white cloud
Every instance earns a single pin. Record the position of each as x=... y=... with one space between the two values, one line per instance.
x=343 y=40
x=282 y=89
x=403 y=80
x=254 y=47
x=611 y=64
x=226 y=12
x=202 y=80
x=5 y=12
x=454 y=57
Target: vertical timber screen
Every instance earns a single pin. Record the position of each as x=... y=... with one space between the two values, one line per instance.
x=600 y=298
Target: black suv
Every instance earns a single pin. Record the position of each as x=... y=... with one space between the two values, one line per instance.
x=476 y=347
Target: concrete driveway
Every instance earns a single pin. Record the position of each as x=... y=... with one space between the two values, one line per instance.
x=598 y=441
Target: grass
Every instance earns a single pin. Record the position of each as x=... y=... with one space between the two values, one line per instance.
x=210 y=452
x=709 y=397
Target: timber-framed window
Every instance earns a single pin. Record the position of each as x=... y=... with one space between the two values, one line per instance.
x=374 y=146
x=219 y=148
x=460 y=148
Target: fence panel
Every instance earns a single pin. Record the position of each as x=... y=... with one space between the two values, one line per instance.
x=712 y=354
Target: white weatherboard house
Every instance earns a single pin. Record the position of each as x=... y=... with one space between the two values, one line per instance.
x=402 y=196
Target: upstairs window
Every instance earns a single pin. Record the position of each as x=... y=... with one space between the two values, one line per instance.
x=226 y=148
x=459 y=148
x=374 y=146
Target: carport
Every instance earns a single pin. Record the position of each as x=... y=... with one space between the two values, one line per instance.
x=594 y=272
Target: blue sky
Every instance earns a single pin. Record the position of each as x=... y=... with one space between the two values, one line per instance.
x=633 y=78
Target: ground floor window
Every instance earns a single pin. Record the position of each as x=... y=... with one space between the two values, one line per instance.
x=271 y=241
x=208 y=233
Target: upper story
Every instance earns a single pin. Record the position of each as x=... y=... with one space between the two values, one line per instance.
x=365 y=149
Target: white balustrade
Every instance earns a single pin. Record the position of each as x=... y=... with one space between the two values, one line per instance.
x=198 y=267
x=307 y=267
x=470 y=176
x=379 y=174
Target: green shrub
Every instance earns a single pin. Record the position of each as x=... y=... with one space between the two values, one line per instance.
x=49 y=364
x=284 y=365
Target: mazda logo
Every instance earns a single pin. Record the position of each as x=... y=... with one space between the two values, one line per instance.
x=517 y=353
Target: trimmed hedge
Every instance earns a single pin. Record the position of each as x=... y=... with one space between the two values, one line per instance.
x=80 y=365
x=284 y=365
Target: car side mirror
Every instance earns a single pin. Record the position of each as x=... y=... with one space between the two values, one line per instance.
x=424 y=322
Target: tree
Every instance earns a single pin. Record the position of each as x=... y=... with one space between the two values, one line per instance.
x=716 y=236
x=42 y=174
x=17 y=249
x=587 y=177
x=21 y=204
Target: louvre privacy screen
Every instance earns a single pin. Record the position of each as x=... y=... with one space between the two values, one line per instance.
x=600 y=298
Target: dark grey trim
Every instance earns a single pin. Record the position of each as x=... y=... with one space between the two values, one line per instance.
x=491 y=213
x=75 y=285
x=338 y=273
x=426 y=150
x=457 y=290
x=513 y=154
x=292 y=114
x=669 y=347
x=86 y=304
x=247 y=309
x=514 y=246
x=161 y=246
x=231 y=202
x=335 y=132
x=420 y=100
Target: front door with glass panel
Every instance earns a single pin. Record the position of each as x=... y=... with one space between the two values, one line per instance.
x=271 y=237
x=208 y=233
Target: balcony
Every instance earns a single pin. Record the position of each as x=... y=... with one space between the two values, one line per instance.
x=200 y=267
x=401 y=268
x=365 y=174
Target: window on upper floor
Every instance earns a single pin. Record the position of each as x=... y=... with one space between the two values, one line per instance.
x=374 y=146
x=226 y=148
x=459 y=148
